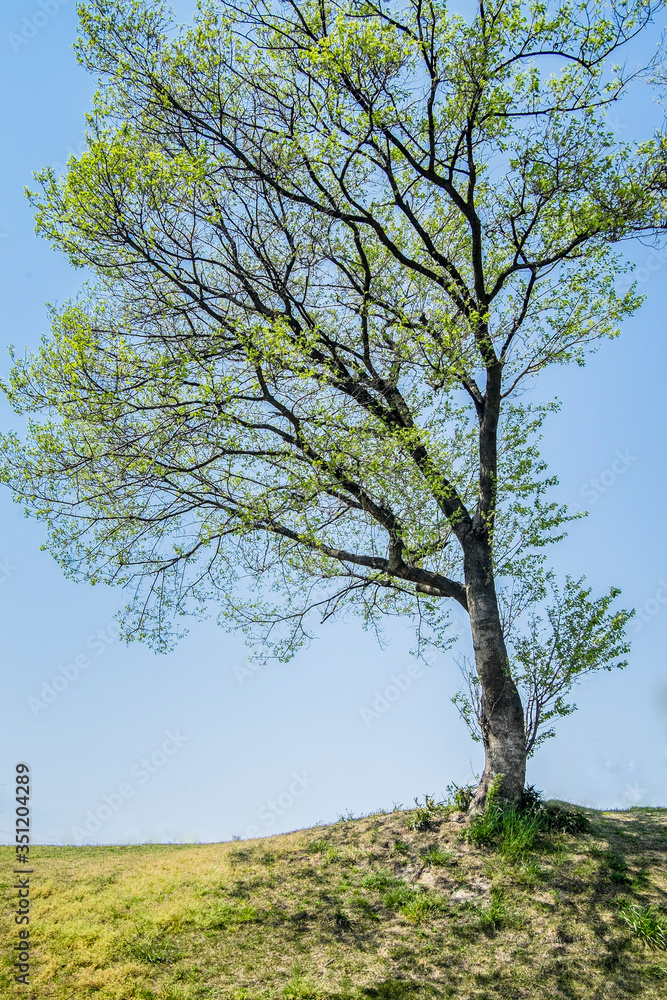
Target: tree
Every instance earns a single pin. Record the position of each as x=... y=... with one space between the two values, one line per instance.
x=579 y=636
x=332 y=242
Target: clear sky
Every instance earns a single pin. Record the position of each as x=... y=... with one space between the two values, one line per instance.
x=194 y=746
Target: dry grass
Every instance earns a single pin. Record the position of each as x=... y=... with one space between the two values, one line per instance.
x=365 y=908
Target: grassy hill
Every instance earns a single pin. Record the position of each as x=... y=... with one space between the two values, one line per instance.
x=391 y=906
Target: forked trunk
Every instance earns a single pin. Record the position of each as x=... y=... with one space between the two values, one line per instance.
x=502 y=720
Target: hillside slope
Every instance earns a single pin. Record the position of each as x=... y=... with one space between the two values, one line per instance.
x=364 y=908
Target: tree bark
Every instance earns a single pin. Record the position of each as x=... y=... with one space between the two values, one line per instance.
x=502 y=721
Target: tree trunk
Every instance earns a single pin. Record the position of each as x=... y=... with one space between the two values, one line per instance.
x=502 y=720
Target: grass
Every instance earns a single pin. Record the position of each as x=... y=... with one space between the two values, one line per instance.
x=494 y=915
x=416 y=904
x=649 y=925
x=435 y=856
x=516 y=832
x=152 y=948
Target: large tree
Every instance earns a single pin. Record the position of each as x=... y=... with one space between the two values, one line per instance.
x=332 y=242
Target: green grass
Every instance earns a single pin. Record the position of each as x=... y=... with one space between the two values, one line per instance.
x=152 y=949
x=494 y=915
x=648 y=924
x=514 y=831
x=435 y=856
x=417 y=904
x=421 y=907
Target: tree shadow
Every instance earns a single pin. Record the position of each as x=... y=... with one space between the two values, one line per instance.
x=637 y=840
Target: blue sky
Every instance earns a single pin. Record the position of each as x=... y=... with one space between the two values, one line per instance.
x=195 y=746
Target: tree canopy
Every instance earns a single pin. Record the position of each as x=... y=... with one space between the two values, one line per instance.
x=332 y=243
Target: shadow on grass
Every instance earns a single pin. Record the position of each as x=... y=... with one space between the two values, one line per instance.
x=328 y=915
x=623 y=872
x=393 y=989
